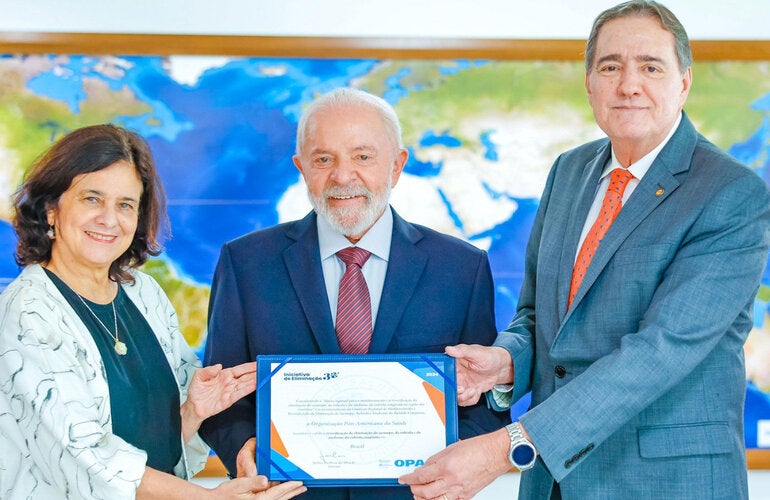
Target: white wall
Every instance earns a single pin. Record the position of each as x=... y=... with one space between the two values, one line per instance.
x=704 y=19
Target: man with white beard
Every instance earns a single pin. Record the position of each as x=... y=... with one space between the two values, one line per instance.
x=276 y=290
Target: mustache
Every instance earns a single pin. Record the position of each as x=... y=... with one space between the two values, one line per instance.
x=346 y=191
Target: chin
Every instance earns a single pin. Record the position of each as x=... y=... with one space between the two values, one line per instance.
x=351 y=228
x=352 y=221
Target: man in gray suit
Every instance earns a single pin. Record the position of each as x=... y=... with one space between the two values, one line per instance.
x=630 y=325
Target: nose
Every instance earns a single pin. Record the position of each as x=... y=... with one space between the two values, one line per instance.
x=629 y=83
x=344 y=172
x=108 y=215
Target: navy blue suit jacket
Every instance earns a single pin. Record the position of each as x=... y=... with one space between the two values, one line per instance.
x=269 y=297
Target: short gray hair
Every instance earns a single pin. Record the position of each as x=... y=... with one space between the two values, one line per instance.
x=344 y=96
x=643 y=8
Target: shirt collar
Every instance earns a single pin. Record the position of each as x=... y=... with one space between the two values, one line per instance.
x=641 y=166
x=376 y=240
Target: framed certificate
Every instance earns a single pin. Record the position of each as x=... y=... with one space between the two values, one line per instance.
x=342 y=420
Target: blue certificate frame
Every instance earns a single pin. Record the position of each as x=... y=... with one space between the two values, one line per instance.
x=352 y=420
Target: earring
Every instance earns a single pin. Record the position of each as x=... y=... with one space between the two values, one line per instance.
x=51 y=233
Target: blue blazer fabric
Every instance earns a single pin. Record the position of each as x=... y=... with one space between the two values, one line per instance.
x=268 y=297
x=638 y=388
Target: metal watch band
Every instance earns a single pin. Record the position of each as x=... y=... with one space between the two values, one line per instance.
x=519 y=441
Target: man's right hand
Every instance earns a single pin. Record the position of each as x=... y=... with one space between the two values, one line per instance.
x=479 y=368
x=462 y=469
x=245 y=461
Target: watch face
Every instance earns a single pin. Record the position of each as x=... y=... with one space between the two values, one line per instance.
x=522 y=455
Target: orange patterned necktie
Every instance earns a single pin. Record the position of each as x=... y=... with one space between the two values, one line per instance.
x=354 y=307
x=611 y=205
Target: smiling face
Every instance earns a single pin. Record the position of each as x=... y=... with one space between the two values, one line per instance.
x=350 y=164
x=96 y=218
x=635 y=86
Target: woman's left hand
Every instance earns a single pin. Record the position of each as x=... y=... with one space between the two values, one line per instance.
x=214 y=389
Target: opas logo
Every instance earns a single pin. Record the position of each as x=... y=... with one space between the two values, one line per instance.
x=408 y=462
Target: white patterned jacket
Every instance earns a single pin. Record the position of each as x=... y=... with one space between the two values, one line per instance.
x=55 y=417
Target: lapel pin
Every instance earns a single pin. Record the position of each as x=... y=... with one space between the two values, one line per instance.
x=659 y=192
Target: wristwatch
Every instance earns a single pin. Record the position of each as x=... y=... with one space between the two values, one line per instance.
x=522 y=453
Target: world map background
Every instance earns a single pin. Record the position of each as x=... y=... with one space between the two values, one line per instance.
x=482 y=136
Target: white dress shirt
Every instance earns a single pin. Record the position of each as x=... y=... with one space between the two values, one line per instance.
x=637 y=169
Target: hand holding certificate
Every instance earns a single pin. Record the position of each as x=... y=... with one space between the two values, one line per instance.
x=353 y=420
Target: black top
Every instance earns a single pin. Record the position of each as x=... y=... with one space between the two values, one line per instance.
x=144 y=395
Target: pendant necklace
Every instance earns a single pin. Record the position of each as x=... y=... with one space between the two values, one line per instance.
x=120 y=347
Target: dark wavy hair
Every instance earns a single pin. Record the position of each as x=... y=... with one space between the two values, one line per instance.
x=85 y=150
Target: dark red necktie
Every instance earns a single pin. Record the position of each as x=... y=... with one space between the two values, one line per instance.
x=611 y=205
x=354 y=307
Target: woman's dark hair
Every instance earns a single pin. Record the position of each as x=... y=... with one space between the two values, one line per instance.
x=85 y=150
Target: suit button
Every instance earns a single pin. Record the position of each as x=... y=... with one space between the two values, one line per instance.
x=560 y=371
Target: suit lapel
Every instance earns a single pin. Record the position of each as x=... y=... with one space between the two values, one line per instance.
x=657 y=184
x=584 y=199
x=303 y=263
x=405 y=266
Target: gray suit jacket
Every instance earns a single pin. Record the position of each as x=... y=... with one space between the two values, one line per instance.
x=638 y=388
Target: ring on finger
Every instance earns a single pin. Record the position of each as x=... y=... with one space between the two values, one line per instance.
x=443 y=495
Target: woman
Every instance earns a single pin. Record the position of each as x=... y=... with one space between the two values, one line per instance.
x=99 y=393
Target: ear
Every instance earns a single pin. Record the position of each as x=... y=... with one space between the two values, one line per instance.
x=398 y=166
x=588 y=84
x=686 y=84
x=298 y=163
x=50 y=215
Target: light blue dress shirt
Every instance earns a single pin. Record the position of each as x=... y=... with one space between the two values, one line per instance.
x=376 y=240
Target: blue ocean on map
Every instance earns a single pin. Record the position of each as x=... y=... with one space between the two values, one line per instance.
x=223 y=146
x=223 y=143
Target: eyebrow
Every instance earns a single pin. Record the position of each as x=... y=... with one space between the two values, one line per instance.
x=100 y=193
x=618 y=58
x=364 y=147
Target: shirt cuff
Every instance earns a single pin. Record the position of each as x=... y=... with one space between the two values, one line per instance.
x=501 y=396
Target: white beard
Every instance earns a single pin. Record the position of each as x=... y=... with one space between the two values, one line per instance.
x=351 y=221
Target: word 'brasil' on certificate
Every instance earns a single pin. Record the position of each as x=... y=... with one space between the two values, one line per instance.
x=353 y=420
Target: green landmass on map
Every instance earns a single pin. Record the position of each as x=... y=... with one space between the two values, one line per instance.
x=435 y=99
x=190 y=300
x=29 y=123
x=719 y=101
x=721 y=97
